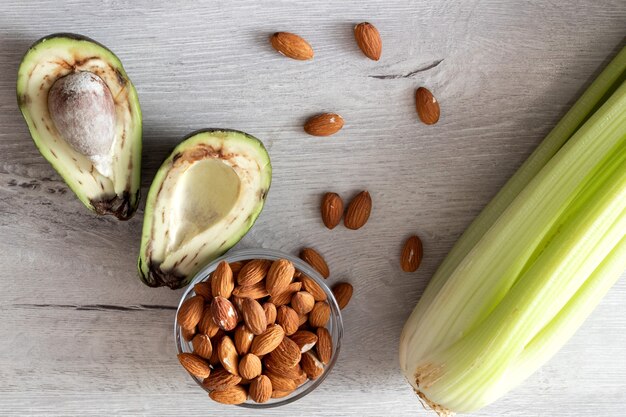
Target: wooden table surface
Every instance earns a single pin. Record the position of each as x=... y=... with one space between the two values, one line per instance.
x=81 y=336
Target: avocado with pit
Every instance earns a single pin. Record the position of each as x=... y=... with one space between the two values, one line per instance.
x=203 y=200
x=84 y=117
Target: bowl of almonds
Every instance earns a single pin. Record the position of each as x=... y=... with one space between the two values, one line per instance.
x=258 y=328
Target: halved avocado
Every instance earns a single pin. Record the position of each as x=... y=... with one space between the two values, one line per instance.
x=84 y=116
x=203 y=200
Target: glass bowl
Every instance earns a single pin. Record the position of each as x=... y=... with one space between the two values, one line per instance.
x=334 y=326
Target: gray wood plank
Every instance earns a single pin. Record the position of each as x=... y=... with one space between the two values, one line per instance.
x=82 y=336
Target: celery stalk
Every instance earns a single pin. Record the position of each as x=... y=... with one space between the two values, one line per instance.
x=525 y=274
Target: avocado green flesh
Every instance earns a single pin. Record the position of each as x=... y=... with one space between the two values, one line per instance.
x=203 y=200
x=52 y=58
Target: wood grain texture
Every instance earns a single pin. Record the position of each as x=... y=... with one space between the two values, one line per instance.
x=80 y=335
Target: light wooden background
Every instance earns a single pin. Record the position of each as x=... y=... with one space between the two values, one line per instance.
x=81 y=336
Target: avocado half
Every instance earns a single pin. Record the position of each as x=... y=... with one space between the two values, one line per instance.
x=203 y=200
x=83 y=114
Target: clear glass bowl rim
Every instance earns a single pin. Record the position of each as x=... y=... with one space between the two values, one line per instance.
x=335 y=317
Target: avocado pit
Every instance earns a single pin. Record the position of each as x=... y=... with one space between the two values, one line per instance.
x=83 y=111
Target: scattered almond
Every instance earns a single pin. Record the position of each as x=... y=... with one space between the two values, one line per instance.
x=279 y=276
x=292 y=46
x=285 y=296
x=194 y=364
x=288 y=319
x=202 y=346
x=250 y=366
x=222 y=281
x=319 y=316
x=313 y=258
x=224 y=314
x=311 y=365
x=220 y=379
x=313 y=288
x=324 y=345
x=427 y=106
x=412 y=254
x=233 y=395
x=343 y=293
x=253 y=272
x=304 y=339
x=203 y=288
x=332 y=210
x=358 y=211
x=243 y=339
x=368 y=39
x=324 y=124
x=268 y=340
x=260 y=389
x=228 y=355
x=254 y=316
x=190 y=312
x=270 y=313
x=302 y=319
x=302 y=302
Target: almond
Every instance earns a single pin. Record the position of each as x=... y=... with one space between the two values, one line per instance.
x=324 y=345
x=228 y=355
x=286 y=354
x=254 y=291
x=215 y=341
x=268 y=340
x=243 y=339
x=324 y=124
x=358 y=211
x=280 y=382
x=238 y=303
x=302 y=302
x=207 y=325
x=332 y=210
x=301 y=379
x=343 y=293
x=254 y=316
x=260 y=389
x=302 y=319
x=190 y=312
x=285 y=296
x=233 y=395
x=281 y=393
x=304 y=339
x=288 y=319
x=427 y=106
x=291 y=45
x=368 y=39
x=311 y=365
x=253 y=272
x=276 y=366
x=313 y=258
x=194 y=364
x=270 y=313
x=412 y=254
x=250 y=366
x=203 y=288
x=279 y=276
x=313 y=288
x=188 y=334
x=222 y=281
x=236 y=267
x=220 y=379
x=318 y=317
x=202 y=346
x=224 y=314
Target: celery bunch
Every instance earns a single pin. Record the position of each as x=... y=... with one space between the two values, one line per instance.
x=532 y=266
